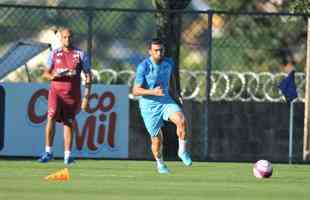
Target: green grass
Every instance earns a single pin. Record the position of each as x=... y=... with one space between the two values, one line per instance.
x=126 y=180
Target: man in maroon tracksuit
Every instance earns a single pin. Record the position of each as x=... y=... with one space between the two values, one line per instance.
x=64 y=100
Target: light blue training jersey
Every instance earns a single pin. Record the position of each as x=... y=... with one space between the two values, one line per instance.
x=150 y=75
x=155 y=109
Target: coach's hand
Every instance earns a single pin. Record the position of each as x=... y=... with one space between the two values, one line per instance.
x=54 y=76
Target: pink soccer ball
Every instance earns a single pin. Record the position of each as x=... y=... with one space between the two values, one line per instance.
x=262 y=169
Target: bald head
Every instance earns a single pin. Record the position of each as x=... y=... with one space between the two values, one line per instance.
x=64 y=29
x=66 y=37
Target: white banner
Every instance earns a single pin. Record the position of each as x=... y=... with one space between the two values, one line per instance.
x=100 y=132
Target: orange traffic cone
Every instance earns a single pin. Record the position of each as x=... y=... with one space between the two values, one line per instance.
x=61 y=175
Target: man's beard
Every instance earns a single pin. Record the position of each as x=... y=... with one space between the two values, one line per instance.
x=67 y=46
x=157 y=61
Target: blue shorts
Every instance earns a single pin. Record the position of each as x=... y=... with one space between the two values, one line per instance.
x=154 y=116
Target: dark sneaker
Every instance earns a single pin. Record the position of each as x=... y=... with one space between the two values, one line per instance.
x=46 y=157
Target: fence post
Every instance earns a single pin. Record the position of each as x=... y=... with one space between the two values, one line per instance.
x=89 y=13
x=306 y=151
x=208 y=80
x=291 y=131
x=2 y=116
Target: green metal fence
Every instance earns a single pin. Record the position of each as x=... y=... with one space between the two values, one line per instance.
x=241 y=52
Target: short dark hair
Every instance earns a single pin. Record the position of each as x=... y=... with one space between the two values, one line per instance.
x=286 y=57
x=157 y=41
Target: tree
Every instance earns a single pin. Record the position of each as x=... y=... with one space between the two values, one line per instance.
x=301 y=6
x=169 y=30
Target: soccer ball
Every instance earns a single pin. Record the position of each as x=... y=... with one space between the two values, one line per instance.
x=262 y=169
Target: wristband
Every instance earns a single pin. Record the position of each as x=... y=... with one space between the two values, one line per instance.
x=87 y=84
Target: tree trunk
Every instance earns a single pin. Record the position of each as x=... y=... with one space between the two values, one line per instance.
x=169 y=30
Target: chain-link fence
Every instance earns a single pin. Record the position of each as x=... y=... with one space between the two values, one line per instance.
x=258 y=43
x=245 y=50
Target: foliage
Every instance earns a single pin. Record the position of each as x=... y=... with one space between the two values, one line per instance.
x=301 y=6
x=242 y=43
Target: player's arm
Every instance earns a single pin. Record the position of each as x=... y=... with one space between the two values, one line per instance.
x=48 y=72
x=138 y=90
x=88 y=81
x=172 y=90
x=87 y=91
x=88 y=84
x=174 y=93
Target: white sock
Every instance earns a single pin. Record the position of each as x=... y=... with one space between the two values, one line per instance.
x=159 y=161
x=67 y=154
x=48 y=149
x=182 y=146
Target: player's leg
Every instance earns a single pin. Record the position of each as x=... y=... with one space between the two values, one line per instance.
x=49 y=139
x=153 y=122
x=70 y=107
x=68 y=137
x=157 y=146
x=179 y=120
x=49 y=134
x=50 y=126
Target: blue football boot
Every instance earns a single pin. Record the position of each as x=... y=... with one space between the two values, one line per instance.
x=163 y=169
x=186 y=159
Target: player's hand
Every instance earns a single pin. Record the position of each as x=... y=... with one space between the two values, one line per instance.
x=54 y=76
x=70 y=73
x=158 y=91
x=84 y=104
x=63 y=73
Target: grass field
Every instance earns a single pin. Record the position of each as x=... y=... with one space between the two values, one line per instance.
x=135 y=180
